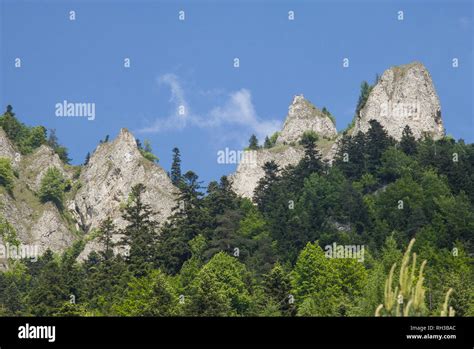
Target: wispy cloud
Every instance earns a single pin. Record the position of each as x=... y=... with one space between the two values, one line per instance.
x=236 y=110
x=177 y=93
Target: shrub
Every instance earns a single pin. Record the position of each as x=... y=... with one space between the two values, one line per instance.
x=52 y=187
x=6 y=174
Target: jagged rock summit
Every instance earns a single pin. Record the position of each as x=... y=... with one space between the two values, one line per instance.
x=113 y=169
x=304 y=116
x=404 y=95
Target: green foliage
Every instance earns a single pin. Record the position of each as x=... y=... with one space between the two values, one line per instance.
x=8 y=233
x=52 y=187
x=408 y=296
x=149 y=295
x=408 y=142
x=25 y=138
x=147 y=152
x=189 y=219
x=176 y=167
x=329 y=115
x=270 y=141
x=253 y=143
x=277 y=286
x=316 y=287
x=365 y=90
x=140 y=234
x=6 y=174
x=221 y=255
x=53 y=142
x=220 y=288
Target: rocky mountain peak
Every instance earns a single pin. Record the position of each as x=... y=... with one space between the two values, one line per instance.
x=304 y=116
x=404 y=95
x=113 y=169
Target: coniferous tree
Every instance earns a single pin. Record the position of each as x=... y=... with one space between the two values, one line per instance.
x=311 y=162
x=267 y=144
x=48 y=291
x=88 y=157
x=189 y=219
x=408 y=142
x=58 y=149
x=262 y=193
x=377 y=141
x=140 y=234
x=221 y=197
x=253 y=143
x=176 y=167
x=365 y=90
x=107 y=231
x=351 y=157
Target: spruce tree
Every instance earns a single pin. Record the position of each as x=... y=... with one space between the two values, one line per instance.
x=189 y=219
x=262 y=195
x=408 y=142
x=253 y=143
x=176 y=167
x=107 y=231
x=377 y=141
x=365 y=90
x=267 y=144
x=140 y=234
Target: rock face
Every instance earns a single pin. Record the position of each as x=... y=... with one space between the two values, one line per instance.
x=38 y=226
x=249 y=170
x=304 y=116
x=35 y=166
x=108 y=178
x=6 y=148
x=103 y=187
x=404 y=95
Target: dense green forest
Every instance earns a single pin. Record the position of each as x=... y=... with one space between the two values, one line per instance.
x=403 y=202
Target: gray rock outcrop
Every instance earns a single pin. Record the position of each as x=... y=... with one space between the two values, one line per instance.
x=35 y=165
x=107 y=179
x=249 y=171
x=304 y=116
x=404 y=95
x=7 y=150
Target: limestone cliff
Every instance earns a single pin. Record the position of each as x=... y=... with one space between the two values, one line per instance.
x=304 y=116
x=99 y=192
x=107 y=179
x=404 y=95
x=35 y=223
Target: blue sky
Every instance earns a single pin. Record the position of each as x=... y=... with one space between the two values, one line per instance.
x=190 y=63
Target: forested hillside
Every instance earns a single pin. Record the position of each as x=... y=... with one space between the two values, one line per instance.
x=285 y=254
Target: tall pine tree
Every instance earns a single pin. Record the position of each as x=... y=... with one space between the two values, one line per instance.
x=176 y=167
x=140 y=234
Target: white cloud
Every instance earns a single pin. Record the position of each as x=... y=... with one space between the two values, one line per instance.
x=237 y=110
x=174 y=120
x=177 y=93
